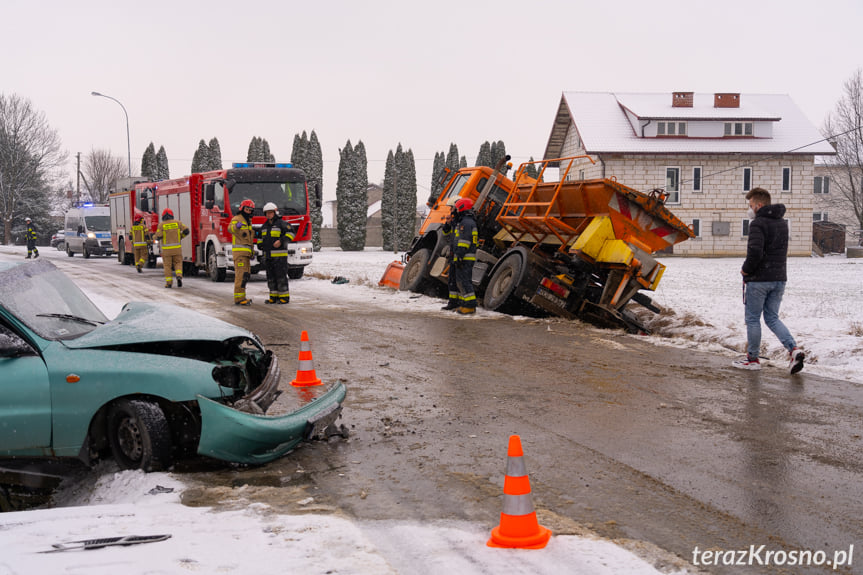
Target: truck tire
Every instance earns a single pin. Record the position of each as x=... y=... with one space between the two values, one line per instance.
x=296 y=273
x=139 y=435
x=503 y=282
x=123 y=257
x=216 y=273
x=416 y=271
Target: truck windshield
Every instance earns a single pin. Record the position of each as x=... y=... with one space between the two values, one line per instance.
x=456 y=187
x=290 y=197
x=98 y=223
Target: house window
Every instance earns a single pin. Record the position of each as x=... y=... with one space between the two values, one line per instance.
x=819 y=216
x=580 y=174
x=738 y=129
x=696 y=179
x=747 y=179
x=696 y=227
x=745 y=228
x=671 y=128
x=672 y=185
x=786 y=179
x=822 y=184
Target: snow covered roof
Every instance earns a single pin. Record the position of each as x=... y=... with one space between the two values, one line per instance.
x=603 y=126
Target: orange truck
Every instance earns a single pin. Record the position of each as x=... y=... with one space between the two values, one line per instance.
x=573 y=248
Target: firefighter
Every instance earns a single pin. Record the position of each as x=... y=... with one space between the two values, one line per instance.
x=241 y=228
x=30 y=236
x=276 y=234
x=171 y=232
x=140 y=239
x=463 y=244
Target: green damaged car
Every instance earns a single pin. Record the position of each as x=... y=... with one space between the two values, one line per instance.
x=156 y=383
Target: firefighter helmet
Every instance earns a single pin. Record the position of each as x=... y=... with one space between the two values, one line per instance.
x=247 y=204
x=270 y=207
x=167 y=212
x=464 y=205
x=27 y=220
x=139 y=218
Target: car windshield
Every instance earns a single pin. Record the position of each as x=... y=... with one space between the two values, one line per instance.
x=98 y=223
x=290 y=197
x=48 y=302
x=456 y=186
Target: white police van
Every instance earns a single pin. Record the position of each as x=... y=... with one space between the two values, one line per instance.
x=88 y=230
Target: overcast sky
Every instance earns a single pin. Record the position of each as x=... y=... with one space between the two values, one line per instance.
x=423 y=74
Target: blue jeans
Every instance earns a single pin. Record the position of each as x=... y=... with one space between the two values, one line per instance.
x=765 y=298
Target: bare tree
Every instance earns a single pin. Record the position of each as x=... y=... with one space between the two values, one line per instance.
x=101 y=170
x=844 y=128
x=30 y=159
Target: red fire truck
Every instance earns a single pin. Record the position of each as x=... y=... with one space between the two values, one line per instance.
x=124 y=207
x=207 y=201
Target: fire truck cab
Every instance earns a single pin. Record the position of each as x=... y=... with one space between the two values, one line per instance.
x=207 y=201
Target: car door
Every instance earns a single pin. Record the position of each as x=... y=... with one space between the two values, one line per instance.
x=25 y=396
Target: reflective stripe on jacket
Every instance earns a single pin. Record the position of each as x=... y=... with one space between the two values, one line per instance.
x=243 y=234
x=276 y=230
x=465 y=238
x=171 y=232
x=139 y=236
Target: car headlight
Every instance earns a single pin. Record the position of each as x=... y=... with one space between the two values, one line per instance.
x=91 y=235
x=304 y=250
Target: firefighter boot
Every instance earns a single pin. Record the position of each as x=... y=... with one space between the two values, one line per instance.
x=284 y=300
x=35 y=254
x=273 y=299
x=451 y=305
x=168 y=285
x=179 y=281
x=244 y=301
x=139 y=269
x=466 y=310
x=28 y=256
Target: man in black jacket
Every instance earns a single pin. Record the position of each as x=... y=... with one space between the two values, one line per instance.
x=764 y=277
x=276 y=234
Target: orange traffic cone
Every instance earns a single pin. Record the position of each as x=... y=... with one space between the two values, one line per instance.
x=518 y=525
x=306 y=373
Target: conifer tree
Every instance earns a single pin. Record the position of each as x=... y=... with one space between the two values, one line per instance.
x=407 y=200
x=498 y=152
x=351 y=211
x=483 y=158
x=215 y=153
x=388 y=198
x=531 y=170
x=462 y=163
x=436 y=186
x=254 y=151
x=201 y=159
x=149 y=169
x=452 y=158
x=315 y=175
x=163 y=172
x=265 y=154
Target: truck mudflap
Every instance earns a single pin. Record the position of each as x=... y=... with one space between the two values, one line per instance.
x=232 y=435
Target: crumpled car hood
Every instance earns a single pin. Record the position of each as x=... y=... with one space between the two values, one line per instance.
x=143 y=322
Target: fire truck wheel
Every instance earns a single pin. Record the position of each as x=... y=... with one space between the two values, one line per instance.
x=416 y=271
x=121 y=252
x=503 y=282
x=296 y=273
x=216 y=273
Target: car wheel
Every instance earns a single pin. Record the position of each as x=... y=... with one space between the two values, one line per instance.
x=69 y=251
x=296 y=273
x=139 y=435
x=416 y=271
x=216 y=273
x=503 y=282
x=86 y=253
x=121 y=252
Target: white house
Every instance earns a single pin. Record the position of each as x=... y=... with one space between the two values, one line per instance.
x=705 y=150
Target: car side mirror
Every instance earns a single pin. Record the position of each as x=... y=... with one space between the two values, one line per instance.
x=11 y=345
x=80 y=230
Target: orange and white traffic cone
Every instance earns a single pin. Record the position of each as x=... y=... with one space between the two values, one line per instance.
x=306 y=376
x=518 y=527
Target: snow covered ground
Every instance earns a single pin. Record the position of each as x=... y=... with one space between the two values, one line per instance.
x=821 y=307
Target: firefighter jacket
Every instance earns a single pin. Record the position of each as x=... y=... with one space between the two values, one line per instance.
x=139 y=236
x=30 y=233
x=170 y=232
x=464 y=238
x=244 y=236
x=272 y=230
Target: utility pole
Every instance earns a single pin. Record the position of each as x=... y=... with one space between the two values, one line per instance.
x=78 y=189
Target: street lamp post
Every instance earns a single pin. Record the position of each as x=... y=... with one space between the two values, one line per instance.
x=128 y=144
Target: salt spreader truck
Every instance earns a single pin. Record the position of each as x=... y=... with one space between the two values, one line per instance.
x=572 y=248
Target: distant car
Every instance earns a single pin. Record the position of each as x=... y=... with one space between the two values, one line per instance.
x=57 y=240
x=156 y=383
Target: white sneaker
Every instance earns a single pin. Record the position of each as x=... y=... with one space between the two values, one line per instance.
x=795 y=363
x=746 y=363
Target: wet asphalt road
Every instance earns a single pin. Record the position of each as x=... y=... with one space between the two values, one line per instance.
x=660 y=445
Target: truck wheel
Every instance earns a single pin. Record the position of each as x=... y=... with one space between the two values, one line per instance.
x=139 y=435
x=216 y=273
x=121 y=252
x=503 y=282
x=296 y=273
x=416 y=271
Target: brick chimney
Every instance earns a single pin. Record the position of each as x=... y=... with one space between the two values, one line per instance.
x=726 y=100
x=681 y=99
